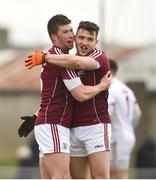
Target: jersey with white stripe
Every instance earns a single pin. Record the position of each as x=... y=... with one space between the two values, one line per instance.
x=56 y=101
x=122 y=108
x=95 y=110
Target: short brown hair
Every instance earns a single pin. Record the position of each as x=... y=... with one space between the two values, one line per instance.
x=113 y=66
x=55 y=22
x=89 y=26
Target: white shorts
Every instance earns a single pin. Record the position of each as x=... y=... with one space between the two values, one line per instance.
x=86 y=140
x=121 y=153
x=52 y=138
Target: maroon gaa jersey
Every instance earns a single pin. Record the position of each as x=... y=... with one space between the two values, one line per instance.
x=95 y=110
x=56 y=101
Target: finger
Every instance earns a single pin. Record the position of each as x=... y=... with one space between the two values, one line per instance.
x=108 y=72
x=38 y=51
x=30 y=56
x=25 y=135
x=25 y=132
x=21 y=134
x=23 y=117
x=20 y=130
x=28 y=64
x=21 y=125
x=28 y=59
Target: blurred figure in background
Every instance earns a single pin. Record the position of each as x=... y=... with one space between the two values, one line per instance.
x=146 y=160
x=125 y=114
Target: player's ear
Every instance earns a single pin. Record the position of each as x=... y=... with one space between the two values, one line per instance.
x=97 y=42
x=54 y=37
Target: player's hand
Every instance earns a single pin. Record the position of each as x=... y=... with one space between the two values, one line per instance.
x=34 y=59
x=27 y=125
x=106 y=80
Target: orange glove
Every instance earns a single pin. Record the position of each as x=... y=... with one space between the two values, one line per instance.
x=35 y=59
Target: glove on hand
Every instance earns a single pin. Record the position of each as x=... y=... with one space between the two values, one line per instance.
x=27 y=125
x=35 y=59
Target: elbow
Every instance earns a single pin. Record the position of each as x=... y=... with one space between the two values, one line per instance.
x=80 y=98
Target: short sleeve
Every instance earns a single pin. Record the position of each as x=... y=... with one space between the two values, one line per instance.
x=103 y=62
x=70 y=78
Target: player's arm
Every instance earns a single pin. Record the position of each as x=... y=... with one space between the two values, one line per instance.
x=64 y=61
x=82 y=92
x=72 y=61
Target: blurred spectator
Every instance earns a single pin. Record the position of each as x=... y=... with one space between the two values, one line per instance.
x=146 y=160
x=125 y=114
x=146 y=156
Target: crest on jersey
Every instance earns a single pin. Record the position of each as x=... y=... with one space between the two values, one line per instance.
x=65 y=145
x=81 y=72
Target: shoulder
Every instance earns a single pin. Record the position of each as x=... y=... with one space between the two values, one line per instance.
x=97 y=53
x=128 y=90
x=55 y=50
x=116 y=87
x=101 y=57
x=117 y=83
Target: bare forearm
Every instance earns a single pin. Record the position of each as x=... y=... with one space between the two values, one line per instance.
x=83 y=93
x=72 y=61
x=65 y=61
x=63 y=57
x=91 y=91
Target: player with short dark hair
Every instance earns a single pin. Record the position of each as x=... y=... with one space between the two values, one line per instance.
x=55 y=114
x=91 y=128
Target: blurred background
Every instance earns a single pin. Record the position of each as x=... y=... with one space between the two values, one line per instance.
x=128 y=34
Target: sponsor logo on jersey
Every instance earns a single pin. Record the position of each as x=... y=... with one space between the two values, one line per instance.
x=99 y=146
x=81 y=72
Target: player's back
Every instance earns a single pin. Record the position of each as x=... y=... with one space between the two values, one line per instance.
x=121 y=107
x=93 y=111
x=56 y=102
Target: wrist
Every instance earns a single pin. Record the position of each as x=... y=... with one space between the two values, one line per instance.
x=102 y=86
x=34 y=117
x=44 y=57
